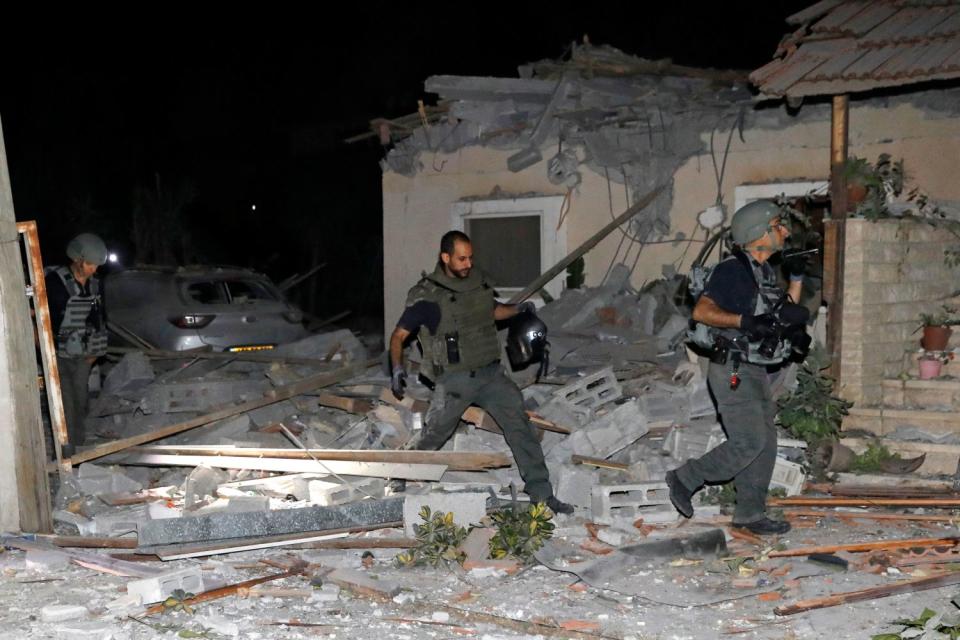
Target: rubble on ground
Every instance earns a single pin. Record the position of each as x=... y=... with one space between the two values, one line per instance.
x=271 y=501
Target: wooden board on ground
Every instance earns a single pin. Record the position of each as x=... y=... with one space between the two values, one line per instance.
x=453 y=460
x=276 y=395
x=429 y=472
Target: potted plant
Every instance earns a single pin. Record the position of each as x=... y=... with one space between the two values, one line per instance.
x=870 y=185
x=936 y=328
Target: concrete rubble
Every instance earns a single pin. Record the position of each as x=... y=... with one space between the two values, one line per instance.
x=621 y=404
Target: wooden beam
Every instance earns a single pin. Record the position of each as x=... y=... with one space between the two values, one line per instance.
x=872 y=593
x=90 y=542
x=835 y=240
x=859 y=547
x=359 y=406
x=276 y=395
x=247 y=356
x=939 y=503
x=454 y=460
x=867 y=515
x=593 y=241
x=427 y=472
x=485 y=421
x=230 y=590
x=598 y=462
x=25 y=499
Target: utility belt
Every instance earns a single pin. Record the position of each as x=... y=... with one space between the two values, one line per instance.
x=472 y=373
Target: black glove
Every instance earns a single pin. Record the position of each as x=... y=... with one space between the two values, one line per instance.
x=526 y=307
x=398 y=381
x=758 y=327
x=796 y=266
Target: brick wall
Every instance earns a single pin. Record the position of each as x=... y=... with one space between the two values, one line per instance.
x=893 y=271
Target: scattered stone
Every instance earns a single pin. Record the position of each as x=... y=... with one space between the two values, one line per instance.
x=89 y=631
x=61 y=612
x=97 y=480
x=328 y=592
x=219 y=624
x=43 y=560
x=158 y=588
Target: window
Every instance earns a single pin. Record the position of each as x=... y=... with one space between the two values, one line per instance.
x=514 y=239
x=242 y=291
x=207 y=292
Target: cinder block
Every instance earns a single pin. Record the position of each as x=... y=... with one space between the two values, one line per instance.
x=788 y=476
x=158 y=588
x=467 y=507
x=627 y=500
x=592 y=390
x=692 y=441
x=604 y=437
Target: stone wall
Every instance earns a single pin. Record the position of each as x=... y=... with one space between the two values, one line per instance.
x=893 y=271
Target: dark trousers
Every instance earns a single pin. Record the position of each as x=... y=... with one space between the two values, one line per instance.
x=749 y=454
x=74 y=376
x=491 y=390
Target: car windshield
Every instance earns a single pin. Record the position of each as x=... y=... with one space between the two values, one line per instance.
x=227 y=291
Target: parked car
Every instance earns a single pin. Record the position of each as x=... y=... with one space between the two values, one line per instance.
x=226 y=308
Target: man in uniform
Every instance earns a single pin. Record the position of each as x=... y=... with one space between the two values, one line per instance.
x=76 y=315
x=452 y=312
x=741 y=303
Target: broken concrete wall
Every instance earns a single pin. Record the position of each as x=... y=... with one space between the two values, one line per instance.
x=775 y=148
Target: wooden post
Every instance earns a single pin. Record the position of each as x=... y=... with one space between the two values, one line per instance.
x=24 y=494
x=835 y=236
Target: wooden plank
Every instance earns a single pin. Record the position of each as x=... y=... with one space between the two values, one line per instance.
x=872 y=593
x=90 y=542
x=866 y=515
x=485 y=421
x=246 y=356
x=361 y=543
x=223 y=592
x=859 y=547
x=939 y=503
x=454 y=460
x=199 y=549
x=359 y=406
x=598 y=462
x=593 y=241
x=428 y=472
x=276 y=395
x=48 y=353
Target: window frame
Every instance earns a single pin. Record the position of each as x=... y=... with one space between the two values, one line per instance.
x=553 y=236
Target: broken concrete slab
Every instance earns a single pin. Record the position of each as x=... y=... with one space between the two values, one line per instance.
x=468 y=508
x=94 y=479
x=233 y=504
x=132 y=373
x=788 y=476
x=339 y=346
x=692 y=440
x=229 y=526
x=61 y=612
x=573 y=483
x=89 y=631
x=119 y=522
x=476 y=547
x=46 y=560
x=610 y=433
x=202 y=482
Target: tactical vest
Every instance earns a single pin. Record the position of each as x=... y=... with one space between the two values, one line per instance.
x=81 y=332
x=466 y=337
x=766 y=299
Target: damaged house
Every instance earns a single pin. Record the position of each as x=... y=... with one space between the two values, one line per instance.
x=246 y=494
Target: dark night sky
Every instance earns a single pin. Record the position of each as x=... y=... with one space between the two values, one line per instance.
x=253 y=110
